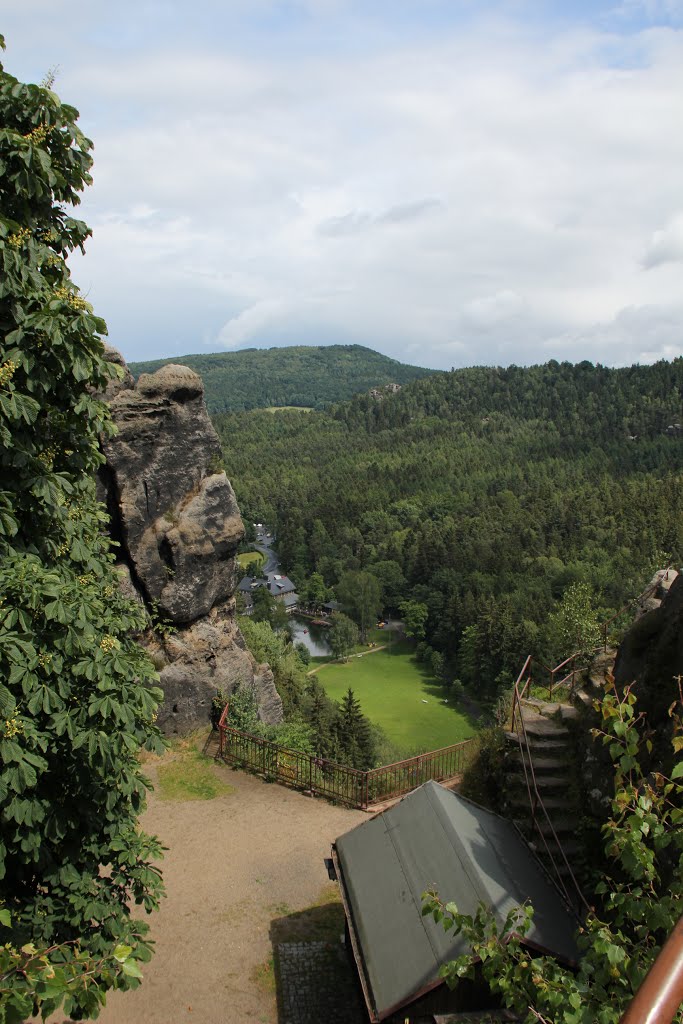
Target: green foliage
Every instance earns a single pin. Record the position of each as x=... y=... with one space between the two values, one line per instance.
x=355 y=739
x=574 y=625
x=484 y=777
x=343 y=636
x=312 y=721
x=264 y=605
x=361 y=596
x=637 y=899
x=403 y=698
x=188 y=774
x=296 y=734
x=303 y=654
x=218 y=702
x=311 y=376
x=54 y=976
x=483 y=494
x=314 y=592
x=415 y=615
x=275 y=648
x=76 y=698
x=243 y=713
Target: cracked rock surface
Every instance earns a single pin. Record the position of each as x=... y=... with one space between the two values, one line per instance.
x=174 y=514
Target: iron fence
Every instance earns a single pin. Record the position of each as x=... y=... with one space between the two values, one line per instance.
x=318 y=776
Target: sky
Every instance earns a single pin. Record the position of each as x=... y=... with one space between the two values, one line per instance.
x=449 y=182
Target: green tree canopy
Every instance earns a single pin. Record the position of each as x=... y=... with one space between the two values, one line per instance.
x=361 y=596
x=574 y=625
x=343 y=635
x=76 y=700
x=415 y=615
x=354 y=733
x=264 y=605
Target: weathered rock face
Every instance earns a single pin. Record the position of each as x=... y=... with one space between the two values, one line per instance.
x=125 y=382
x=651 y=653
x=202 y=659
x=175 y=516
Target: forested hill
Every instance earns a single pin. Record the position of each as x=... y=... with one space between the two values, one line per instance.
x=310 y=376
x=481 y=493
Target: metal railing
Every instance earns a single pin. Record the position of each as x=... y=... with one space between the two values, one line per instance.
x=532 y=671
x=661 y=993
x=567 y=671
x=321 y=777
x=569 y=886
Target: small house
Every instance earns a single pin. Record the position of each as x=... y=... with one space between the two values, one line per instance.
x=435 y=839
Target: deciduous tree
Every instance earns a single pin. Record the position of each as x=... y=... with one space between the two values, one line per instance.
x=361 y=595
x=635 y=904
x=76 y=699
x=343 y=635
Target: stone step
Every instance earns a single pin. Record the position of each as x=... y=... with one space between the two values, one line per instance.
x=537 y=725
x=570 y=847
x=542 y=707
x=561 y=825
x=520 y=798
x=546 y=783
x=539 y=743
x=541 y=764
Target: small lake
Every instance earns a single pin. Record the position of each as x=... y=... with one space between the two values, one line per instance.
x=315 y=637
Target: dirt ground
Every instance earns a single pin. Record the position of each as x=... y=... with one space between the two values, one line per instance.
x=235 y=867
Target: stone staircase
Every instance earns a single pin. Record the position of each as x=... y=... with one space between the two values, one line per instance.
x=550 y=832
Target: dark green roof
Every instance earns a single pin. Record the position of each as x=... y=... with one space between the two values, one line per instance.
x=435 y=839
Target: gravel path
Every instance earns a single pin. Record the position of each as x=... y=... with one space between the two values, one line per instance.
x=234 y=865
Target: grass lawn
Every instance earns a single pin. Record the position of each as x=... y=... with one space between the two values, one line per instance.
x=185 y=773
x=392 y=689
x=249 y=559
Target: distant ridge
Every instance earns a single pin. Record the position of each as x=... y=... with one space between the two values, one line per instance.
x=312 y=376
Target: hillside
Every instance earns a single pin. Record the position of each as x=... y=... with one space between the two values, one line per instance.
x=482 y=493
x=311 y=376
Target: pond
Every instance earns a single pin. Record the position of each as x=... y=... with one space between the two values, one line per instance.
x=314 y=637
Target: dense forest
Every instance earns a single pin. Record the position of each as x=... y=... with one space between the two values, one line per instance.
x=481 y=494
x=310 y=376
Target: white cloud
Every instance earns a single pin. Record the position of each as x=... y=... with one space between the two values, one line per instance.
x=666 y=245
x=484 y=193
x=239 y=329
x=637 y=334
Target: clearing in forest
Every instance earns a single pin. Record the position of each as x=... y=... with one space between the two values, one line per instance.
x=392 y=688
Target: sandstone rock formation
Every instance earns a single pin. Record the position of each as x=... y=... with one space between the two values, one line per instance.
x=174 y=514
x=651 y=654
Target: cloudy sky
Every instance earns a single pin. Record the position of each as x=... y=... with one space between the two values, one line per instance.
x=450 y=182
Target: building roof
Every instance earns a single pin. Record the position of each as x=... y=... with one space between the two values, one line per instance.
x=248 y=584
x=279 y=584
x=435 y=839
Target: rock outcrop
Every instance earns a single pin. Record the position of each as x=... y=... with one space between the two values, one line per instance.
x=174 y=514
x=651 y=654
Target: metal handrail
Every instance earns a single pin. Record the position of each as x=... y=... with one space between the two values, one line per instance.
x=661 y=993
x=535 y=798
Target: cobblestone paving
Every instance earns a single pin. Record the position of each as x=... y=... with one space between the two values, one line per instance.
x=317 y=985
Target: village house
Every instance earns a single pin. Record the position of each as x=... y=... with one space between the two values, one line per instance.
x=279 y=587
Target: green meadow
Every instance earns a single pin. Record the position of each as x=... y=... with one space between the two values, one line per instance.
x=398 y=693
x=250 y=561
